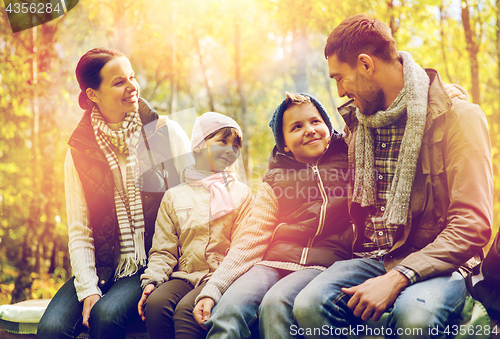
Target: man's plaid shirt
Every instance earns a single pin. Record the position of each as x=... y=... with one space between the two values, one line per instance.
x=379 y=237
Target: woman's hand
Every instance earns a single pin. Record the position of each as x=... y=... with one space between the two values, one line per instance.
x=88 y=303
x=454 y=92
x=140 y=306
x=201 y=311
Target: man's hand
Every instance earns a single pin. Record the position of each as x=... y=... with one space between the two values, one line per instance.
x=88 y=303
x=373 y=297
x=454 y=92
x=201 y=311
x=145 y=294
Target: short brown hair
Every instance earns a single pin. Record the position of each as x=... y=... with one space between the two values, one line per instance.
x=295 y=99
x=361 y=34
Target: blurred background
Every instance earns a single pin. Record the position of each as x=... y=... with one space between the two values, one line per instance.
x=233 y=57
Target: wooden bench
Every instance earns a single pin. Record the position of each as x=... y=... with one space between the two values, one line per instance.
x=20 y=321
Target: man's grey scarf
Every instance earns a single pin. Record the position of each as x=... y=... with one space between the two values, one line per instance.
x=128 y=201
x=413 y=100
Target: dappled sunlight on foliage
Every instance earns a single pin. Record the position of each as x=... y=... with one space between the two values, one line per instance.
x=44 y=285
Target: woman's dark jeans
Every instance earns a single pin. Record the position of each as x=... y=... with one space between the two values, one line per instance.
x=109 y=317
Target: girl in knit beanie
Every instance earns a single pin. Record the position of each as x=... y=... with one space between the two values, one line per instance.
x=197 y=221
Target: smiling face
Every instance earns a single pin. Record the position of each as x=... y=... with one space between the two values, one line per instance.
x=118 y=93
x=368 y=97
x=219 y=152
x=306 y=134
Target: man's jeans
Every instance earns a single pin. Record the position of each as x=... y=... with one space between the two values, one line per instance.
x=108 y=318
x=265 y=293
x=422 y=310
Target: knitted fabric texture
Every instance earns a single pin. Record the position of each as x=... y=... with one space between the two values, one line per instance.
x=208 y=123
x=276 y=122
x=413 y=101
x=128 y=201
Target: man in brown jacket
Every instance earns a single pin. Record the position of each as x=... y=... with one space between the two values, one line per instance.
x=422 y=191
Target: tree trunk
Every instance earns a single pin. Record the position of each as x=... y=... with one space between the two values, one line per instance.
x=498 y=37
x=472 y=50
x=204 y=72
x=37 y=257
x=42 y=172
x=442 y=23
x=173 y=61
x=66 y=262
x=334 y=114
x=120 y=38
x=24 y=280
x=53 y=259
x=241 y=93
x=392 y=21
x=300 y=58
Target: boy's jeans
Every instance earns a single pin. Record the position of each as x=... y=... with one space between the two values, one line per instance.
x=422 y=310
x=263 y=292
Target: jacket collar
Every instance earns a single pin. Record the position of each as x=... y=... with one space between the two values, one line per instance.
x=439 y=102
x=348 y=112
x=282 y=160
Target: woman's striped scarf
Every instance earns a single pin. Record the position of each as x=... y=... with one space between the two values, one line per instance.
x=128 y=201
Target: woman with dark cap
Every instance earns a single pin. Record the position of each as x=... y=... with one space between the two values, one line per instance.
x=122 y=158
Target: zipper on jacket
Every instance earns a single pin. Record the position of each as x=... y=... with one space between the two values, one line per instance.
x=350 y=146
x=354 y=239
x=322 y=214
x=183 y=209
x=274 y=232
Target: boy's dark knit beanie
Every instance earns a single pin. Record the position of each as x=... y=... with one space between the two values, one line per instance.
x=276 y=122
